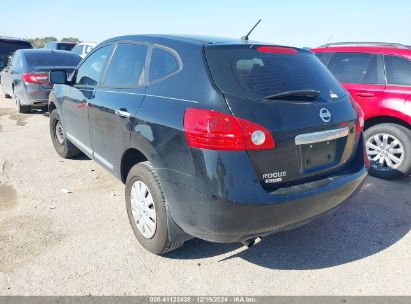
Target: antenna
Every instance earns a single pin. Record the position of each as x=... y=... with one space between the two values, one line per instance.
x=329 y=39
x=246 y=36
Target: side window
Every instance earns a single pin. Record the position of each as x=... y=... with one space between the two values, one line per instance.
x=91 y=70
x=349 y=67
x=87 y=49
x=371 y=74
x=163 y=63
x=324 y=57
x=398 y=70
x=126 y=68
x=78 y=49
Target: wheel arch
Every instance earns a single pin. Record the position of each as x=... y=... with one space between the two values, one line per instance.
x=376 y=120
x=130 y=158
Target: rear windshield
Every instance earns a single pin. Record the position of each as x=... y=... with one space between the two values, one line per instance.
x=65 y=46
x=62 y=59
x=244 y=71
x=8 y=47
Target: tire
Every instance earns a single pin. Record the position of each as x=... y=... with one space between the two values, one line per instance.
x=159 y=243
x=4 y=94
x=393 y=132
x=21 y=108
x=63 y=146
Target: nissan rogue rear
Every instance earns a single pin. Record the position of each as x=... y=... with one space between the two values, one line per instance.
x=223 y=140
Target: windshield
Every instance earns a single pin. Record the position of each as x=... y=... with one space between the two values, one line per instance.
x=62 y=59
x=244 y=71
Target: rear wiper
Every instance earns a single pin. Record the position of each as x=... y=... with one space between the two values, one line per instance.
x=296 y=93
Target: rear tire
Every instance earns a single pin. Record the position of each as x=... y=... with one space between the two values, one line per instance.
x=61 y=144
x=397 y=150
x=3 y=93
x=21 y=108
x=156 y=238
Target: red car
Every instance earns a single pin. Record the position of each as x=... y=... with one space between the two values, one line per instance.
x=378 y=77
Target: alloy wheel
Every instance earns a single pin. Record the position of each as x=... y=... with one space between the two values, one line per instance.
x=384 y=151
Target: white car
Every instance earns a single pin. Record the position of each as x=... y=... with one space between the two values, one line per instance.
x=83 y=48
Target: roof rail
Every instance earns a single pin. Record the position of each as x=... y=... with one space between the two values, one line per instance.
x=395 y=45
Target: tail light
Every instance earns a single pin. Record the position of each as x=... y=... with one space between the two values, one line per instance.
x=360 y=127
x=207 y=129
x=37 y=78
x=277 y=50
x=360 y=115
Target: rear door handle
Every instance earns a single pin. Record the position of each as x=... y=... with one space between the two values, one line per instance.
x=122 y=113
x=365 y=94
x=83 y=104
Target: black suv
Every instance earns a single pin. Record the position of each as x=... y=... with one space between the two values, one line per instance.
x=8 y=46
x=221 y=140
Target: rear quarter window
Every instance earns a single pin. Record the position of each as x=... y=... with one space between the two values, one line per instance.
x=163 y=64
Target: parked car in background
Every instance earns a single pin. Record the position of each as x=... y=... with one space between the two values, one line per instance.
x=378 y=77
x=26 y=79
x=8 y=46
x=59 y=45
x=83 y=48
x=219 y=139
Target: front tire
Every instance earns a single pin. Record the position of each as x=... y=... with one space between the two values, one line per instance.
x=146 y=209
x=61 y=144
x=388 y=148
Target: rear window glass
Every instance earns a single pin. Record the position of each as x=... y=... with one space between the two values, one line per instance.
x=49 y=58
x=65 y=46
x=8 y=47
x=246 y=72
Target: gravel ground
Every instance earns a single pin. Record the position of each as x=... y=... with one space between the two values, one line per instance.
x=80 y=243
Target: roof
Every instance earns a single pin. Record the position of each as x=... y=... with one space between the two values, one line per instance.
x=68 y=42
x=196 y=40
x=383 y=49
x=13 y=38
x=367 y=43
x=44 y=51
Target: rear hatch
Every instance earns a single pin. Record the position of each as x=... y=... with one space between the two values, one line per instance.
x=289 y=92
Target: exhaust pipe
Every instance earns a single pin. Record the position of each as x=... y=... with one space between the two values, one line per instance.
x=251 y=242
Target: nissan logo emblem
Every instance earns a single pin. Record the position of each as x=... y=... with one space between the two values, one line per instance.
x=325 y=115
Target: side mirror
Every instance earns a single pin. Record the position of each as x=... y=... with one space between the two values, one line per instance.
x=58 y=77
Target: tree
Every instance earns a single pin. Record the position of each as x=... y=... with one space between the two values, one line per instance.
x=41 y=42
x=71 y=39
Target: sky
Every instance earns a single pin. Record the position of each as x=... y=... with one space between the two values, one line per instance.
x=300 y=23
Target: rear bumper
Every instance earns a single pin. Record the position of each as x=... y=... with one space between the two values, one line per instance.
x=35 y=99
x=217 y=206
